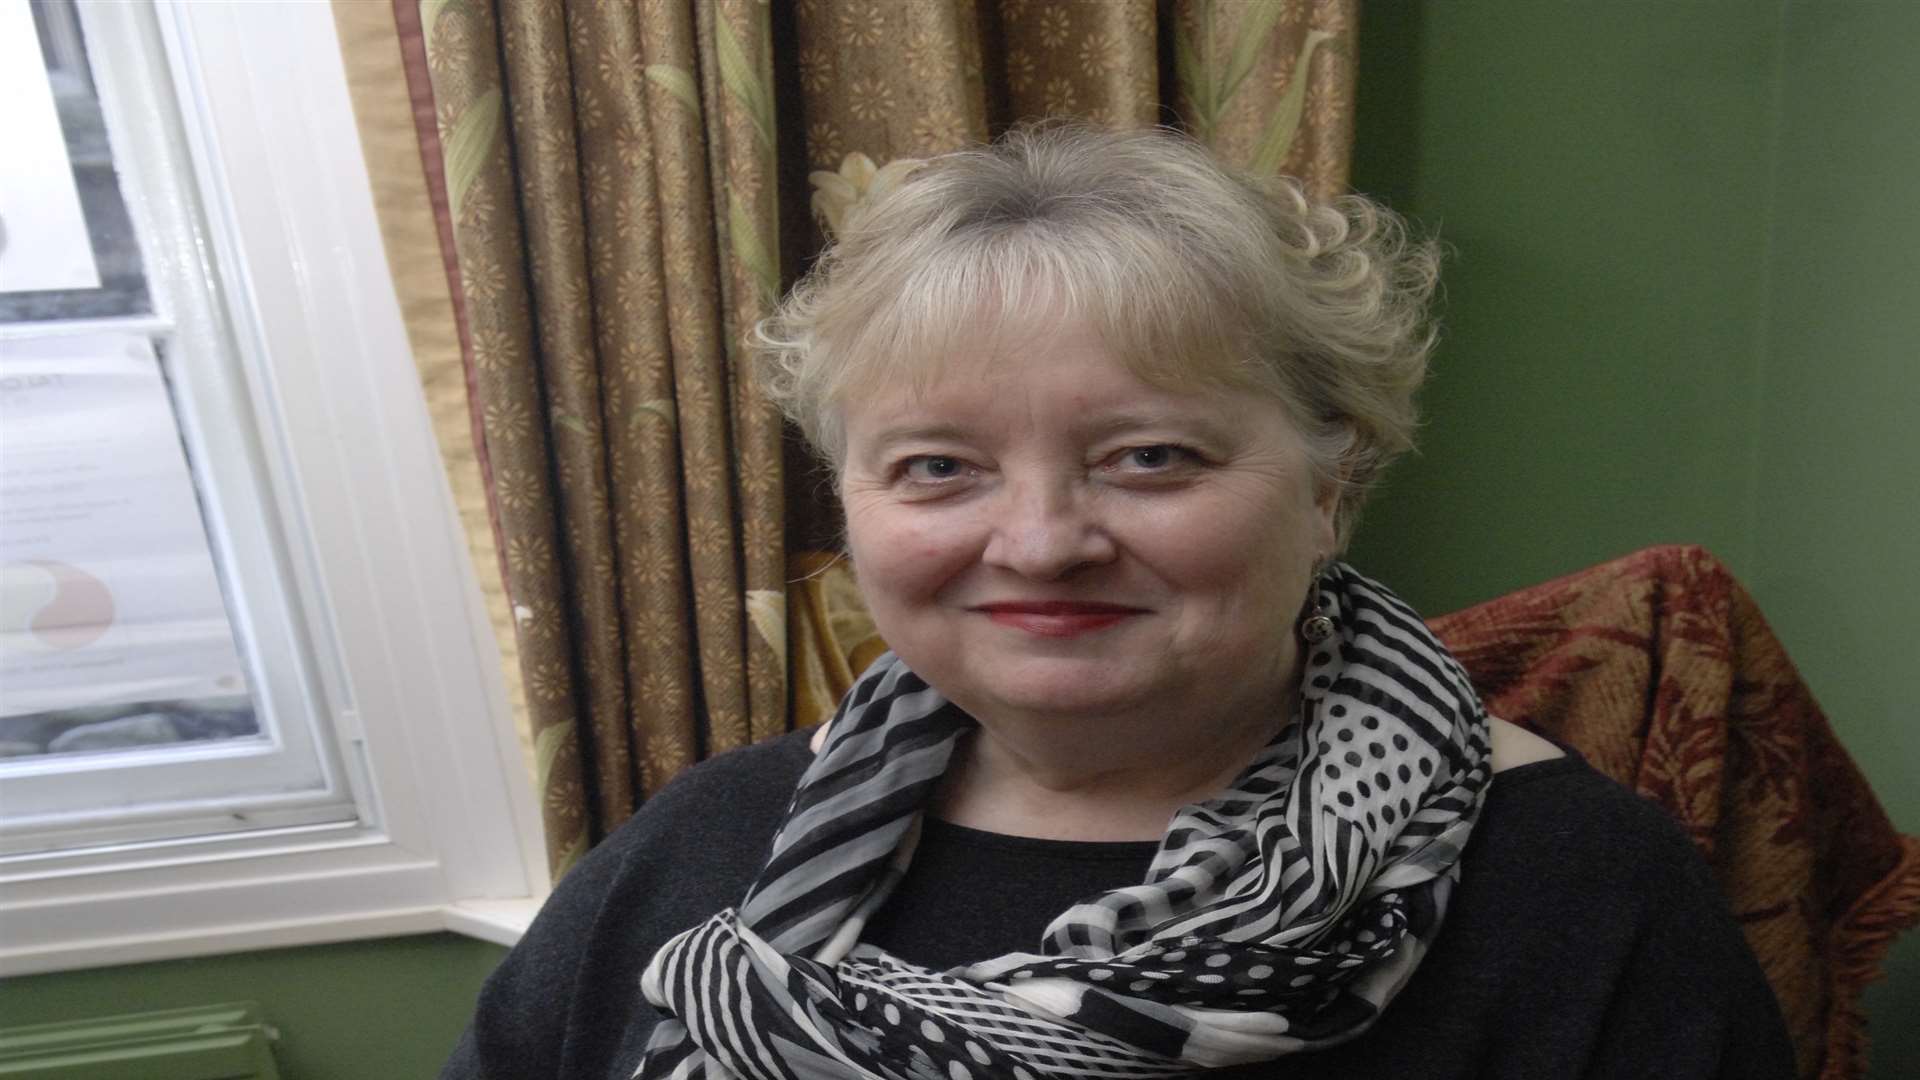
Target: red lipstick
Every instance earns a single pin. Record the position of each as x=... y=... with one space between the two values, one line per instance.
x=1057 y=618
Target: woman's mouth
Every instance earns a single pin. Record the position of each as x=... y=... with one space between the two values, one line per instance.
x=1057 y=618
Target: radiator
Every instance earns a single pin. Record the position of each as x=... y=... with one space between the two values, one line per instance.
x=210 y=1042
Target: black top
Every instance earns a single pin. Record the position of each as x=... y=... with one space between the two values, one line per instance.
x=1586 y=938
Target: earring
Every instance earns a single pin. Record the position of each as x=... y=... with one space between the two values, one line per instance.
x=1317 y=626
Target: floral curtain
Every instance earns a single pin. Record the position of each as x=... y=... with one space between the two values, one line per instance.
x=630 y=184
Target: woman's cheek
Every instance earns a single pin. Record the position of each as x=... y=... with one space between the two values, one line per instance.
x=908 y=550
x=933 y=548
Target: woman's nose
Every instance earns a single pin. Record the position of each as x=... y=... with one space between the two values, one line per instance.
x=1045 y=531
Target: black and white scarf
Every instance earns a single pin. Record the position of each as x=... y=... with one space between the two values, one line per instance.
x=1279 y=916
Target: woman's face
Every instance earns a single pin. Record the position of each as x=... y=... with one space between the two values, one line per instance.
x=1038 y=531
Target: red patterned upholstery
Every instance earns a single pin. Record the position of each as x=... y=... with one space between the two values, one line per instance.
x=1659 y=668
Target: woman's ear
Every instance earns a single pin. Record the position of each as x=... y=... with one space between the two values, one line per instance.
x=1326 y=506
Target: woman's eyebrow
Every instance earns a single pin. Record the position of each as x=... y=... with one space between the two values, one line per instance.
x=913 y=432
x=1103 y=425
x=1099 y=425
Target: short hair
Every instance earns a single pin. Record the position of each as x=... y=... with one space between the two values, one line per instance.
x=1192 y=274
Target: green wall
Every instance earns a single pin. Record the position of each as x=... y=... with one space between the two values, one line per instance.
x=366 y=1010
x=1683 y=306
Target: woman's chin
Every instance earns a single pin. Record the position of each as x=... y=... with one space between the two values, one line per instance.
x=1069 y=689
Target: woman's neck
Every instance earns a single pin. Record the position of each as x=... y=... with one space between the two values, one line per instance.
x=1091 y=781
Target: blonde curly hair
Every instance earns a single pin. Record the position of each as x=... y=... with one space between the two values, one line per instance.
x=1194 y=275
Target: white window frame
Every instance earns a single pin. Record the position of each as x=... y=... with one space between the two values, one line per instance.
x=448 y=834
x=287 y=774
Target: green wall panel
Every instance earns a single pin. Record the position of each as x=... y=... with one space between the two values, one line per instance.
x=1600 y=181
x=1682 y=305
x=1837 y=443
x=367 y=1010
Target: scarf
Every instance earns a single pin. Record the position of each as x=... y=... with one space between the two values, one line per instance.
x=1279 y=916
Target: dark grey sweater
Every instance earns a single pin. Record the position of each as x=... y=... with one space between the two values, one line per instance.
x=1586 y=939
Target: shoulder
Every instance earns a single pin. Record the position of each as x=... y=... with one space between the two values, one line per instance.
x=1566 y=866
x=1558 y=823
x=1587 y=918
x=722 y=811
x=687 y=852
x=729 y=797
x=691 y=849
x=566 y=1001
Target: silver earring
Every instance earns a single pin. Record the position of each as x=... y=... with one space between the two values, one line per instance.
x=1318 y=625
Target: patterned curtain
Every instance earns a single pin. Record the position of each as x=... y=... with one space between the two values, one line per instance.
x=630 y=184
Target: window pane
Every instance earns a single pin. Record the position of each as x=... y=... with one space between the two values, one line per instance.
x=113 y=627
x=158 y=673
x=67 y=247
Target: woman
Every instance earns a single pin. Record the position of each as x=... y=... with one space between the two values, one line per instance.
x=1150 y=784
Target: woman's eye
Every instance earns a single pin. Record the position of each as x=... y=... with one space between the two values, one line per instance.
x=1156 y=458
x=932 y=468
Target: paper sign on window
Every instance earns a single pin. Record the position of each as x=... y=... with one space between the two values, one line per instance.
x=108 y=588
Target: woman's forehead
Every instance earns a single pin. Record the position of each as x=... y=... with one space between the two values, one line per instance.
x=993 y=338
x=1064 y=382
x=1000 y=355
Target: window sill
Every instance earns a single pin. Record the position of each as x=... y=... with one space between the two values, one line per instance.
x=306 y=888
x=499 y=921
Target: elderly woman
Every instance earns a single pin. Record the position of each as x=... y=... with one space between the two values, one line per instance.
x=1150 y=784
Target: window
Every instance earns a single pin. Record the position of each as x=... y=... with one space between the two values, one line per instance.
x=247 y=695
x=153 y=680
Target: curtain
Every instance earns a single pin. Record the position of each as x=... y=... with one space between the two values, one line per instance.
x=630 y=184
x=410 y=199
